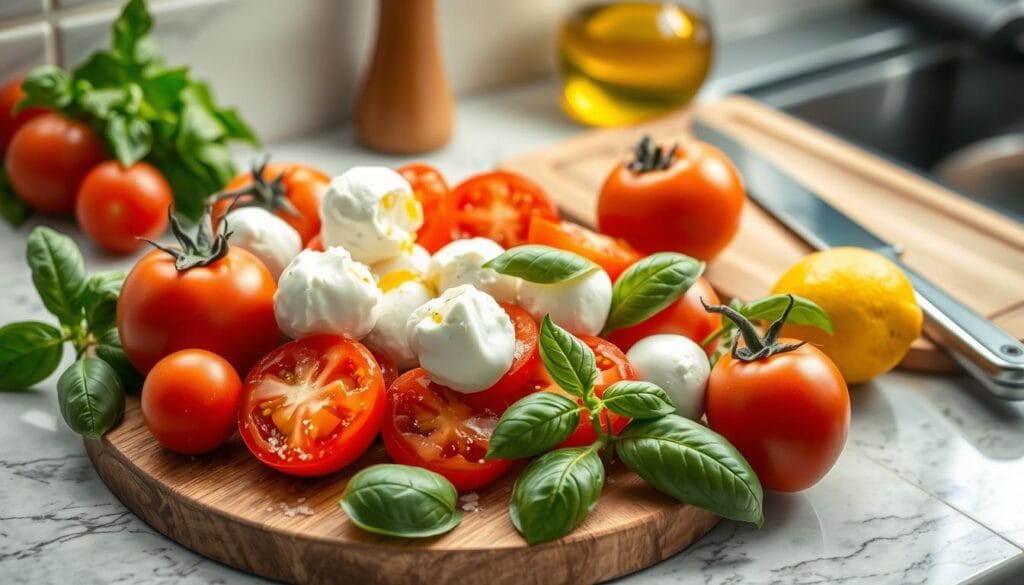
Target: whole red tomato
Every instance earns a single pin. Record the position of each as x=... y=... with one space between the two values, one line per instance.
x=301 y=186
x=685 y=317
x=312 y=406
x=686 y=200
x=47 y=160
x=10 y=95
x=190 y=401
x=788 y=413
x=223 y=302
x=117 y=206
x=432 y=192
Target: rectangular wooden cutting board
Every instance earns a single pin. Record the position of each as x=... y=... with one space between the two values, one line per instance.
x=974 y=253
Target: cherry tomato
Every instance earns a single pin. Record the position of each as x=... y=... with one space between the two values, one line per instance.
x=190 y=401
x=684 y=317
x=226 y=307
x=611 y=254
x=117 y=206
x=498 y=205
x=47 y=159
x=10 y=95
x=431 y=191
x=431 y=426
x=513 y=385
x=312 y=406
x=304 y=187
x=788 y=414
x=692 y=206
x=612 y=366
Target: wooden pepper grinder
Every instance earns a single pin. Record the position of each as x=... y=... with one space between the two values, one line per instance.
x=406 y=105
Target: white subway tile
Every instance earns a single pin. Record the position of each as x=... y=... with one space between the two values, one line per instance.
x=11 y=8
x=21 y=49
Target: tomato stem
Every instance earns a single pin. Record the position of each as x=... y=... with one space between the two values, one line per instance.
x=204 y=249
x=271 y=195
x=755 y=347
x=648 y=157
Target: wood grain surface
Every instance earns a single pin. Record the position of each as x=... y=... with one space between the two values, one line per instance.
x=974 y=253
x=233 y=509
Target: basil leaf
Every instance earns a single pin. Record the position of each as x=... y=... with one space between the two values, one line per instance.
x=46 y=86
x=99 y=298
x=103 y=69
x=162 y=88
x=129 y=28
x=12 y=209
x=236 y=126
x=129 y=138
x=399 y=500
x=636 y=399
x=108 y=349
x=693 y=464
x=29 y=352
x=568 y=361
x=533 y=425
x=804 y=311
x=91 y=397
x=650 y=285
x=541 y=264
x=102 y=103
x=58 y=272
x=555 y=493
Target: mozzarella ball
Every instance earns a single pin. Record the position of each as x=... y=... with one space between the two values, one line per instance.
x=463 y=339
x=371 y=212
x=326 y=292
x=461 y=261
x=265 y=235
x=580 y=304
x=678 y=365
x=416 y=261
x=390 y=333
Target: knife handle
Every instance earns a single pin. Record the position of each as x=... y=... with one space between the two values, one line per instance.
x=992 y=356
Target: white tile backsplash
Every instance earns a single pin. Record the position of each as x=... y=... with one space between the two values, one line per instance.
x=21 y=49
x=13 y=8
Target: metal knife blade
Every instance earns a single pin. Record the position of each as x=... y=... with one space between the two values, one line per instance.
x=992 y=356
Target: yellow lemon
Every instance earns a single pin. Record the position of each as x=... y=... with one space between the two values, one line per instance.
x=871 y=302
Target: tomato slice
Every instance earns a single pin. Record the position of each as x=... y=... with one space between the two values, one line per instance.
x=513 y=385
x=498 y=205
x=612 y=254
x=612 y=366
x=431 y=189
x=431 y=426
x=312 y=406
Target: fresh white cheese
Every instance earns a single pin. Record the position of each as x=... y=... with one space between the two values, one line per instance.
x=678 y=365
x=371 y=212
x=580 y=304
x=326 y=292
x=461 y=261
x=265 y=235
x=415 y=260
x=390 y=334
x=463 y=339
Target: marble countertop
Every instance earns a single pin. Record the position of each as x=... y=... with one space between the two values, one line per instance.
x=927 y=491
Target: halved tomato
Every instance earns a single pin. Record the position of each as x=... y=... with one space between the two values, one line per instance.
x=312 y=406
x=612 y=367
x=431 y=426
x=612 y=254
x=512 y=386
x=499 y=205
x=432 y=191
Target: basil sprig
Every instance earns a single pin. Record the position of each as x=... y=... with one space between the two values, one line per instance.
x=567 y=359
x=649 y=286
x=541 y=264
x=556 y=492
x=91 y=391
x=144 y=110
x=400 y=500
x=767 y=309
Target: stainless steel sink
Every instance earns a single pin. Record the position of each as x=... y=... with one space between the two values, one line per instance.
x=944 y=110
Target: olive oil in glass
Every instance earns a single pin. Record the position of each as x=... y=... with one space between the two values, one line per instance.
x=625 y=62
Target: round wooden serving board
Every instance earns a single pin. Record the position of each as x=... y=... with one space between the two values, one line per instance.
x=231 y=508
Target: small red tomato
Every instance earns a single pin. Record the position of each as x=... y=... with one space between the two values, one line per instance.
x=301 y=186
x=47 y=160
x=190 y=401
x=685 y=317
x=686 y=200
x=118 y=206
x=10 y=95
